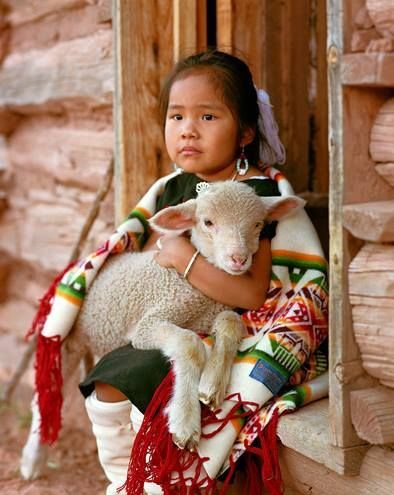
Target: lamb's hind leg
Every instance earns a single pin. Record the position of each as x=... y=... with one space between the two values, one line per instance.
x=187 y=354
x=228 y=328
x=34 y=455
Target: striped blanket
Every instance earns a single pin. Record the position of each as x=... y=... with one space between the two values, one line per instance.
x=282 y=346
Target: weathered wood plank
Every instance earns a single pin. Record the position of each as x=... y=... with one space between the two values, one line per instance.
x=363 y=183
x=287 y=38
x=372 y=221
x=225 y=25
x=343 y=348
x=321 y=174
x=381 y=144
x=185 y=27
x=81 y=68
x=137 y=68
x=23 y=11
x=373 y=414
x=368 y=69
x=309 y=477
x=386 y=170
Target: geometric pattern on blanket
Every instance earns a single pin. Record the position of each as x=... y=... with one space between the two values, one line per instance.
x=281 y=347
x=283 y=335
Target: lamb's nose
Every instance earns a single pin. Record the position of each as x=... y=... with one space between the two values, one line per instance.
x=238 y=260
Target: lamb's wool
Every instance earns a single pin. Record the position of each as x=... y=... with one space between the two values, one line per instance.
x=296 y=310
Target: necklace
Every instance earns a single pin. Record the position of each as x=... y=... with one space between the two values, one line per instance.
x=203 y=186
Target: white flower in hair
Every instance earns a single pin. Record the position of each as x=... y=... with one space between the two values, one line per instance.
x=271 y=148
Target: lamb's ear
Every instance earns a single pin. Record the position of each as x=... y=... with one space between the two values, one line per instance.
x=282 y=206
x=175 y=219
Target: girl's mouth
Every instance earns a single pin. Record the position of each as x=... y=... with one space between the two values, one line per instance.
x=190 y=151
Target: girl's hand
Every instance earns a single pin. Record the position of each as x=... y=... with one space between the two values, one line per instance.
x=174 y=252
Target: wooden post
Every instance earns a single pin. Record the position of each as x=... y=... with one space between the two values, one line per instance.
x=141 y=45
x=185 y=27
x=373 y=414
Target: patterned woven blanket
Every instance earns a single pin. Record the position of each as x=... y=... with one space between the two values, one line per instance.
x=282 y=346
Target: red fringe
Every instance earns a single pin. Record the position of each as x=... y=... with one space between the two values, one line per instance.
x=267 y=470
x=46 y=304
x=48 y=368
x=49 y=382
x=155 y=458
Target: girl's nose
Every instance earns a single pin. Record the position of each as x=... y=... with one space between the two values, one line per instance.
x=189 y=130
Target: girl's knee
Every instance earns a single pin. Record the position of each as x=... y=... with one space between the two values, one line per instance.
x=108 y=393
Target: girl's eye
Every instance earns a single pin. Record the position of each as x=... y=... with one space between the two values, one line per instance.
x=176 y=117
x=208 y=223
x=208 y=116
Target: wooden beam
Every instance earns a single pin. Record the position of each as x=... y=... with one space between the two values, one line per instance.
x=343 y=348
x=373 y=414
x=185 y=28
x=372 y=221
x=286 y=64
x=386 y=170
x=309 y=477
x=138 y=43
x=368 y=69
x=80 y=68
x=224 y=25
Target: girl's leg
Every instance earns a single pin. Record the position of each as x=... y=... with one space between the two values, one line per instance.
x=114 y=420
x=109 y=411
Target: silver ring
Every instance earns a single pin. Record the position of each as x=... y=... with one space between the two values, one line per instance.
x=159 y=244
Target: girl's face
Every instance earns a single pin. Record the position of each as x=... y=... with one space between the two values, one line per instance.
x=201 y=133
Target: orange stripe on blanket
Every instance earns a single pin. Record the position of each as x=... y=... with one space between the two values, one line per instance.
x=298 y=256
x=246 y=359
x=143 y=211
x=68 y=297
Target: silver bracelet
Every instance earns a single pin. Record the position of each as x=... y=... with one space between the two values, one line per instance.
x=190 y=264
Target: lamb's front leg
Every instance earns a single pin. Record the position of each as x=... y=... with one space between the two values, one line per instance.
x=228 y=329
x=187 y=354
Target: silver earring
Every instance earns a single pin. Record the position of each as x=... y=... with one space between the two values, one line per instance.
x=176 y=168
x=242 y=163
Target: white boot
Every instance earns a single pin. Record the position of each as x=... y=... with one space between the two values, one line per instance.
x=112 y=428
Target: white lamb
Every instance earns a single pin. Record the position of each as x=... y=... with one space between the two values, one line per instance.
x=134 y=300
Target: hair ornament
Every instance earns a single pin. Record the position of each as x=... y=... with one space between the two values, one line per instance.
x=271 y=147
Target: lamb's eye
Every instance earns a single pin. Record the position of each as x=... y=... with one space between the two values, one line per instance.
x=259 y=225
x=208 y=223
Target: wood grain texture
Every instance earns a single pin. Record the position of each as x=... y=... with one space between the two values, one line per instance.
x=373 y=221
x=373 y=414
x=309 y=477
x=368 y=69
x=381 y=145
x=360 y=109
x=185 y=27
x=286 y=59
x=371 y=288
x=80 y=68
x=386 y=171
x=139 y=41
x=342 y=347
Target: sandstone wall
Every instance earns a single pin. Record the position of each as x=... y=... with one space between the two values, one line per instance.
x=56 y=141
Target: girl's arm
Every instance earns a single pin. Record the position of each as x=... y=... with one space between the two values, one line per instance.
x=247 y=291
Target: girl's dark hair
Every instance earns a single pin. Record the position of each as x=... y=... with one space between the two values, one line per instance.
x=232 y=78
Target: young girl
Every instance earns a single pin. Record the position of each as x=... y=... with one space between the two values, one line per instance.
x=213 y=131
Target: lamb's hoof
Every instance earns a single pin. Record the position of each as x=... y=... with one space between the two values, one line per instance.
x=185 y=426
x=211 y=394
x=189 y=444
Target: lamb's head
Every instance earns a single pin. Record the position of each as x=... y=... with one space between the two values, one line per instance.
x=225 y=222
